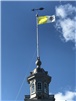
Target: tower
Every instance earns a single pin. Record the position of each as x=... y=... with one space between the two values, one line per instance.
x=39 y=84
x=39 y=79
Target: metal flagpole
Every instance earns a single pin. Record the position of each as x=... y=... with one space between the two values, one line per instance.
x=37 y=29
x=37 y=35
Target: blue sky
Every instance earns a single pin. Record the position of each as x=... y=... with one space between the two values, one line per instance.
x=18 y=47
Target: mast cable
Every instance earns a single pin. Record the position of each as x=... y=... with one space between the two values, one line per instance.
x=25 y=76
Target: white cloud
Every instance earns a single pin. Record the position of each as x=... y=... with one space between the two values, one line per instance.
x=68 y=96
x=60 y=12
x=66 y=22
x=68 y=29
x=65 y=10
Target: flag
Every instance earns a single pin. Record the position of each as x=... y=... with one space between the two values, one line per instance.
x=46 y=19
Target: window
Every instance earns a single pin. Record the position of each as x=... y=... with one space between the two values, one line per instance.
x=45 y=87
x=39 y=85
x=32 y=87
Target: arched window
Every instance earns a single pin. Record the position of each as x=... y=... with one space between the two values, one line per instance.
x=39 y=85
x=32 y=87
x=45 y=87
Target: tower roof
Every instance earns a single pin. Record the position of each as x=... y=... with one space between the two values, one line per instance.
x=38 y=70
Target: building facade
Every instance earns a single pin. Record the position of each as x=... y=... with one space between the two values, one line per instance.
x=39 y=84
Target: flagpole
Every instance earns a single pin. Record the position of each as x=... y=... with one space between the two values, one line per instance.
x=37 y=35
x=36 y=9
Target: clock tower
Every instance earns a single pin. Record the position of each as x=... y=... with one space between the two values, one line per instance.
x=39 y=84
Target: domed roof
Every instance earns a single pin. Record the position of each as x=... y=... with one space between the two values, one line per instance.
x=38 y=70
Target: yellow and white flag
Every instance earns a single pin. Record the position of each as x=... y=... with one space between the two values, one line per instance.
x=46 y=19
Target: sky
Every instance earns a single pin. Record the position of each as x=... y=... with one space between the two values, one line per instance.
x=57 y=45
